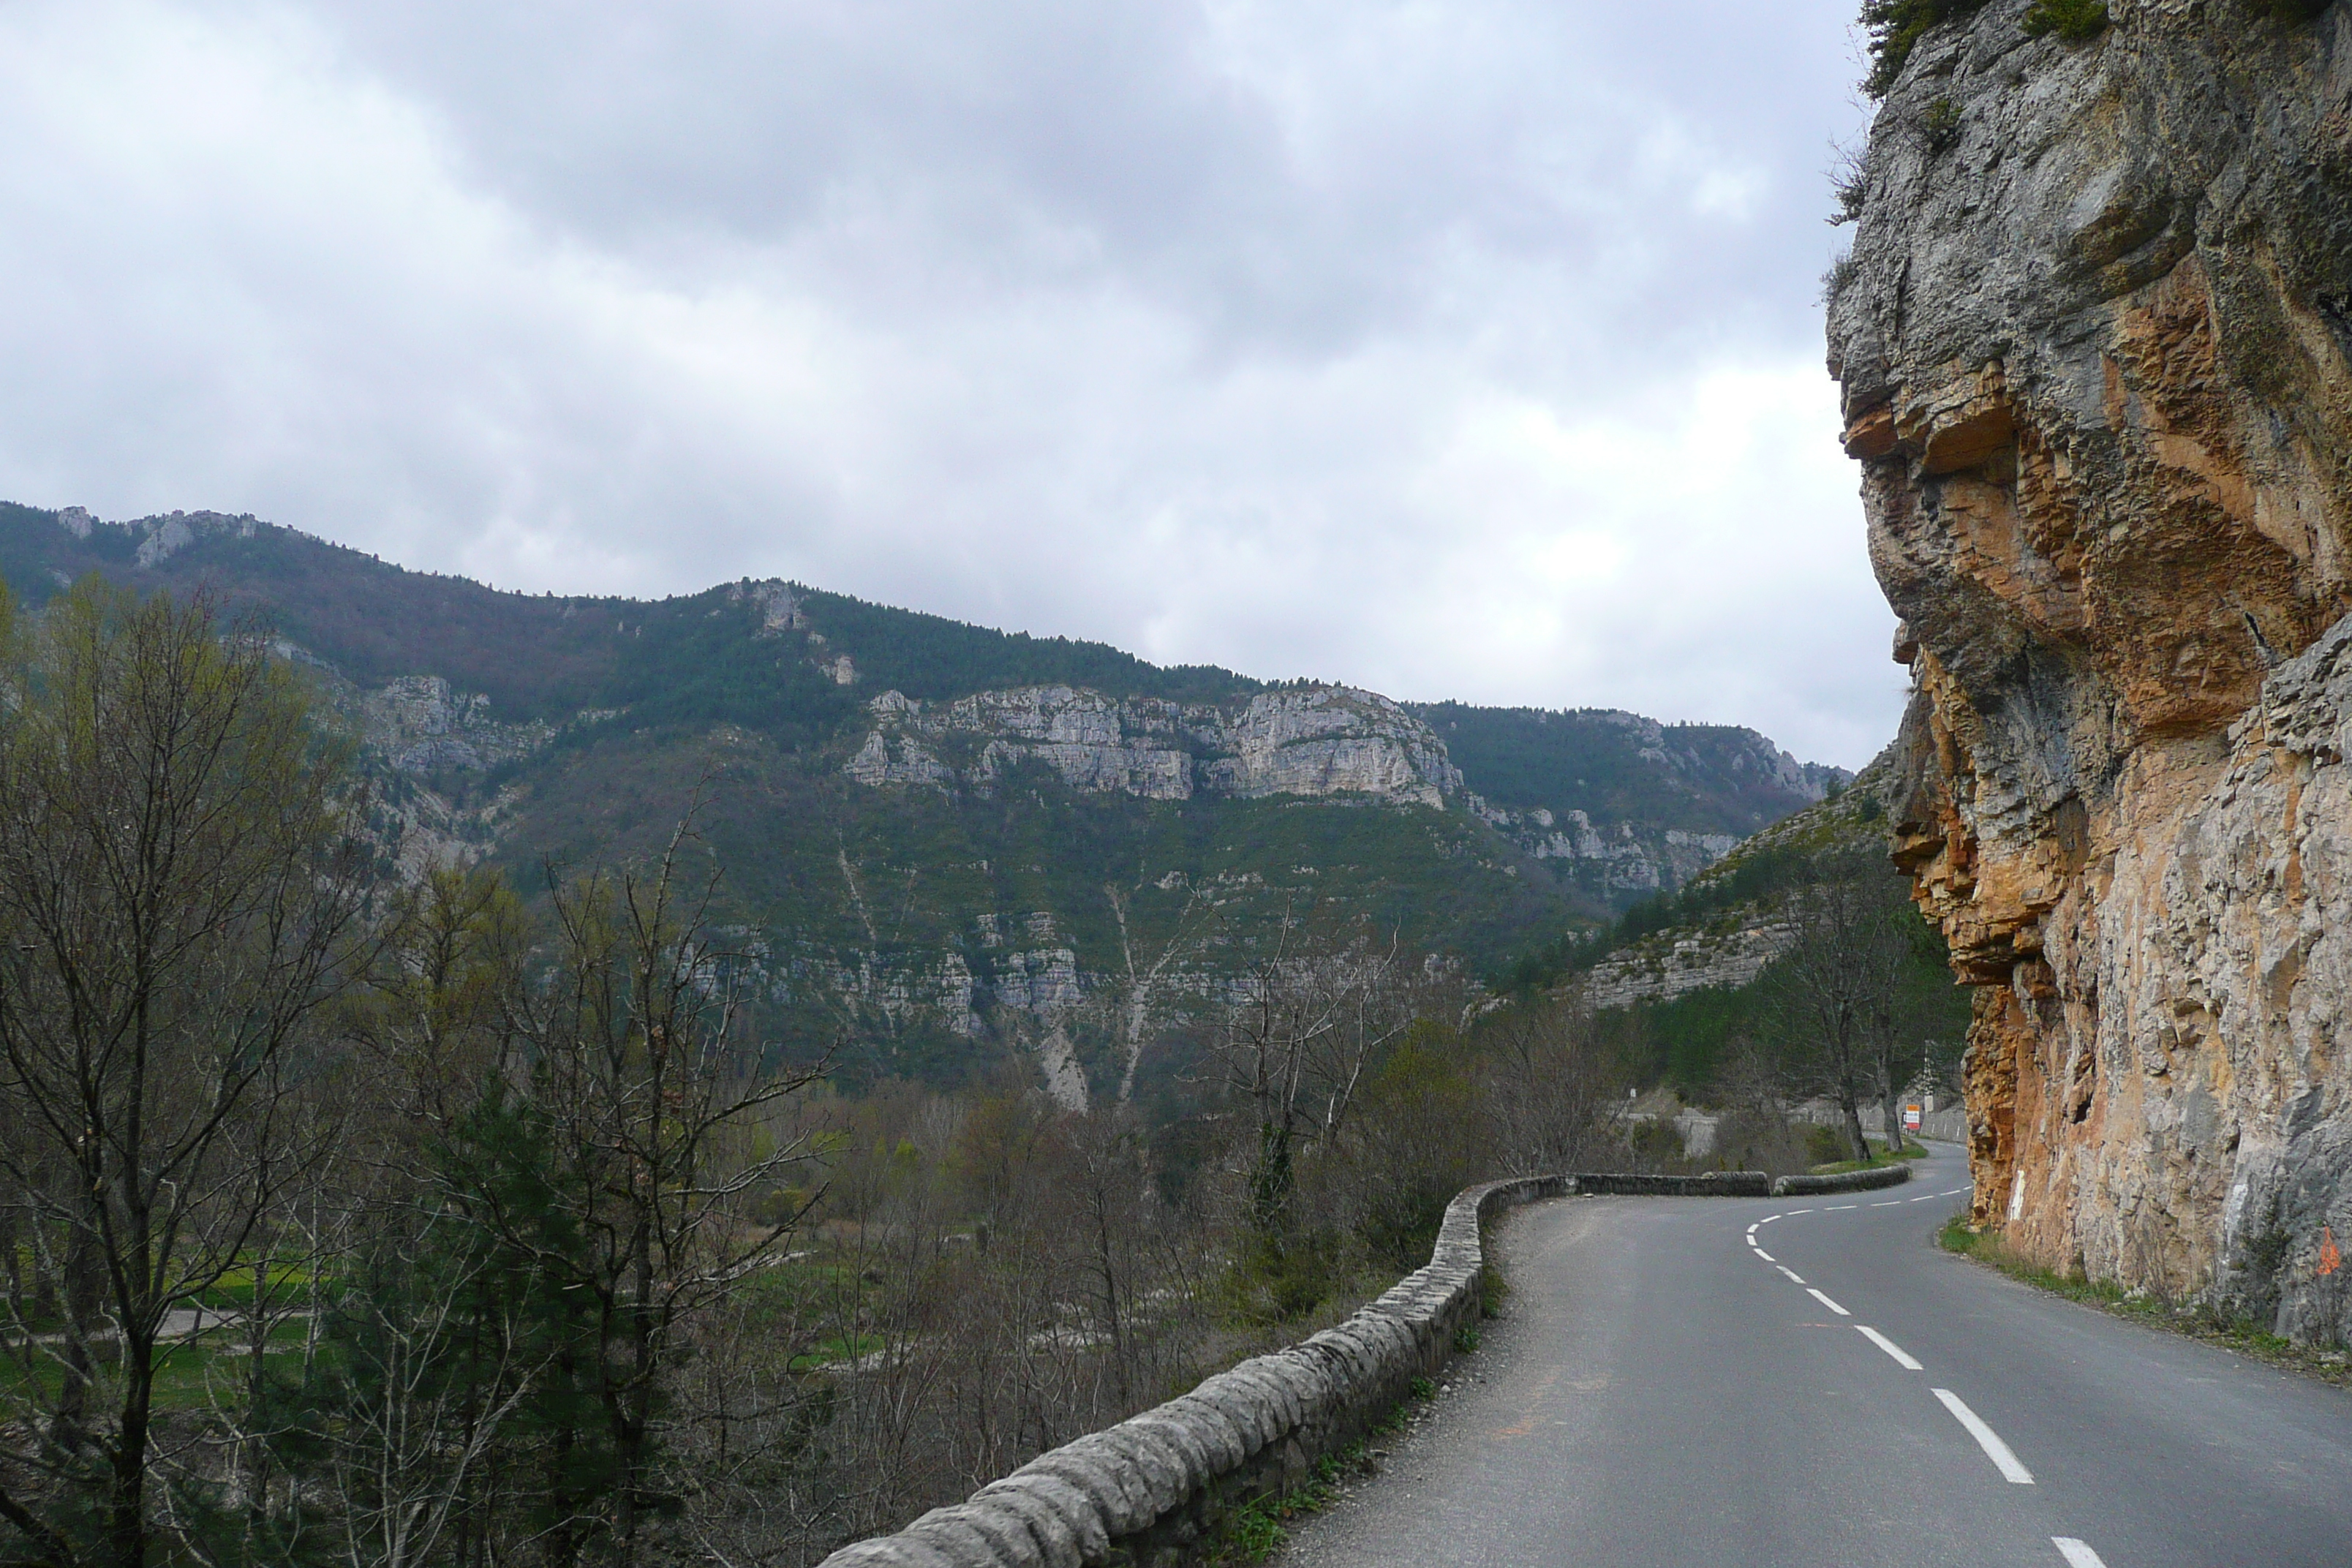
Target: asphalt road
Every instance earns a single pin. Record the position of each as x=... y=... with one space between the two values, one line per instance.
x=1660 y=1390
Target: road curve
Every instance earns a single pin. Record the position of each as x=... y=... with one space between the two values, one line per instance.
x=1667 y=1386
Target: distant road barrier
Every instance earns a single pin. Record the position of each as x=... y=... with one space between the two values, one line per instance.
x=1878 y=1177
x=1153 y=1489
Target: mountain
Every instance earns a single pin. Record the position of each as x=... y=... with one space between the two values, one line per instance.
x=941 y=842
x=1624 y=806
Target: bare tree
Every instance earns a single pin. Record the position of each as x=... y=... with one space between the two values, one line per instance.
x=409 y=1435
x=1309 y=1019
x=650 y=1096
x=1550 y=1086
x=1140 y=987
x=1840 y=980
x=179 y=884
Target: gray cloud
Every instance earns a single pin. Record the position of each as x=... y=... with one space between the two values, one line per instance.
x=1461 y=351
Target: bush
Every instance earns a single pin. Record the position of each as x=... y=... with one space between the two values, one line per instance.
x=1826 y=1145
x=1833 y=282
x=1895 y=28
x=1942 y=124
x=2076 y=21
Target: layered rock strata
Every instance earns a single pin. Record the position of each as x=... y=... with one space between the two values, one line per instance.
x=1312 y=741
x=2093 y=346
x=1724 y=955
x=1630 y=859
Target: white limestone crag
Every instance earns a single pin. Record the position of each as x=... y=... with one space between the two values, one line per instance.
x=1309 y=740
x=422 y=724
x=1629 y=858
x=779 y=607
x=1726 y=955
x=1329 y=740
x=164 y=535
x=2094 y=346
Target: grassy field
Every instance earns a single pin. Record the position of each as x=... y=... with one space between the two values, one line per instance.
x=189 y=1372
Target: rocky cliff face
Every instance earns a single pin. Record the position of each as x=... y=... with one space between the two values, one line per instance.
x=421 y=725
x=1323 y=740
x=2094 y=350
x=1629 y=859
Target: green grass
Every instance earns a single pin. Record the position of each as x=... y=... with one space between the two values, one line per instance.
x=2243 y=1335
x=234 y=1288
x=188 y=1373
x=839 y=1348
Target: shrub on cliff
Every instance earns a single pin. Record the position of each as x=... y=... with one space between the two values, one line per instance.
x=1895 y=28
x=2076 y=21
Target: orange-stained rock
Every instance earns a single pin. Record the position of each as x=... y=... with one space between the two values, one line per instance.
x=2103 y=345
x=1872 y=435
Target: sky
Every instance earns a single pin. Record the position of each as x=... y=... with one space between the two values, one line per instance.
x=1461 y=351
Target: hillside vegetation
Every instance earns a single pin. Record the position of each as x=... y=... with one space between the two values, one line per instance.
x=986 y=899
x=1684 y=1010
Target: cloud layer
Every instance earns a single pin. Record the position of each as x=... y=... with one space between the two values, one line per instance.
x=1465 y=350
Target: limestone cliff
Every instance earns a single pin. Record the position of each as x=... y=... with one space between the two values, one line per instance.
x=1309 y=740
x=2092 y=343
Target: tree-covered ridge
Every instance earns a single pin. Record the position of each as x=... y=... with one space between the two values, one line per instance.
x=1619 y=767
x=691 y=659
x=534 y=657
x=933 y=658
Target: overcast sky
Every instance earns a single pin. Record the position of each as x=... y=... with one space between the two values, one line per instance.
x=1456 y=350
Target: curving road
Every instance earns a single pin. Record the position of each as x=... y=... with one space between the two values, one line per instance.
x=1810 y=1382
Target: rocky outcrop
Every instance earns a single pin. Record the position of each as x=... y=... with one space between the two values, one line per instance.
x=2094 y=350
x=1630 y=859
x=778 y=606
x=1329 y=739
x=154 y=540
x=1726 y=955
x=423 y=725
x=1311 y=741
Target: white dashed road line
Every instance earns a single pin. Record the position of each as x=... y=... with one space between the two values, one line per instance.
x=2005 y=1461
x=2003 y=1458
x=2076 y=1554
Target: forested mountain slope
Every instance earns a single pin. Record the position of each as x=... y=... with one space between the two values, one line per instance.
x=943 y=843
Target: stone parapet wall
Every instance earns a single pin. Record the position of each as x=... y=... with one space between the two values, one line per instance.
x=1711 y=1185
x=1154 y=1488
x=1844 y=1181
